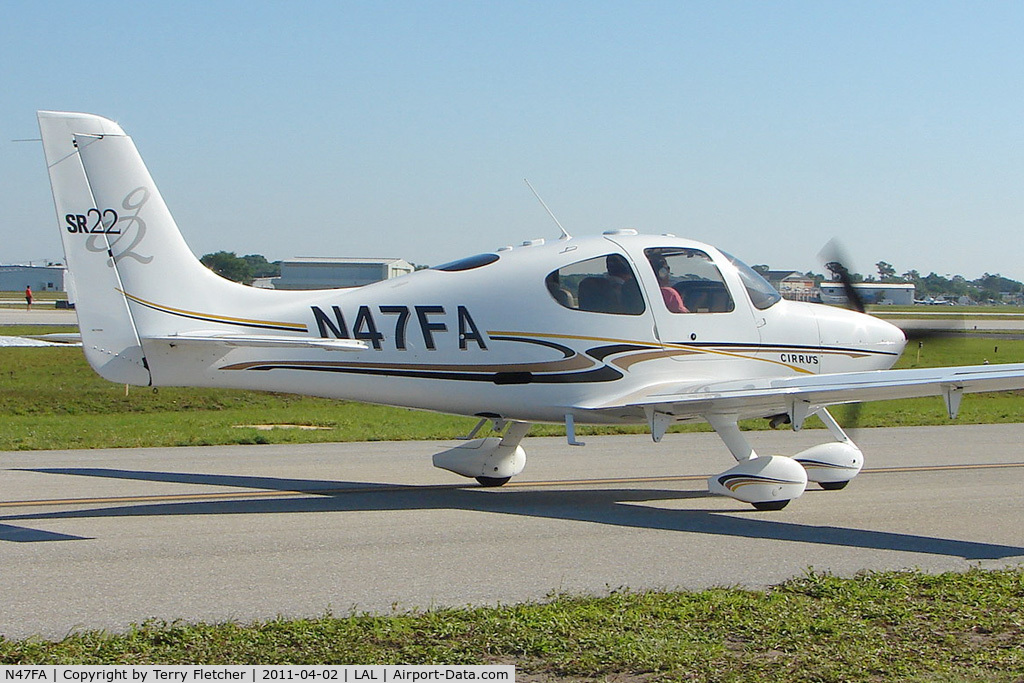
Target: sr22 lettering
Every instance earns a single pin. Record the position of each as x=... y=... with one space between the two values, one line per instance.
x=93 y=222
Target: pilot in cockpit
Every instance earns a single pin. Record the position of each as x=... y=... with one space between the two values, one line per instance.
x=673 y=300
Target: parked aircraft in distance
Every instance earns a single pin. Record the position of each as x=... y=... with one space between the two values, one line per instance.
x=616 y=328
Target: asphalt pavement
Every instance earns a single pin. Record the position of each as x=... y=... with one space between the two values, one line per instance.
x=101 y=539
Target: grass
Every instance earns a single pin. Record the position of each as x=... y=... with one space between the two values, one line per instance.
x=884 y=626
x=51 y=399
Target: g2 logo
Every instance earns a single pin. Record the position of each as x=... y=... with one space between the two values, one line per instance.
x=109 y=233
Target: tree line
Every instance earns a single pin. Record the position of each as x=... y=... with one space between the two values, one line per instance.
x=244 y=269
x=987 y=288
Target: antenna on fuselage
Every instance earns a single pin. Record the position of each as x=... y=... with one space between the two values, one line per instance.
x=565 y=233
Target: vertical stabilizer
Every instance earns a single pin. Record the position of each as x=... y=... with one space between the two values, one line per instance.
x=136 y=280
x=92 y=233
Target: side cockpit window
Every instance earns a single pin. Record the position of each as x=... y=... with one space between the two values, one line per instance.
x=761 y=292
x=689 y=281
x=606 y=284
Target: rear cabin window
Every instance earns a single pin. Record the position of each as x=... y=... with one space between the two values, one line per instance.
x=689 y=280
x=606 y=284
x=468 y=263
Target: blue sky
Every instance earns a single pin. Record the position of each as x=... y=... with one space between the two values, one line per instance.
x=406 y=128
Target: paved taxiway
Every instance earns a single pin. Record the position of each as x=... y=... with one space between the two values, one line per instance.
x=40 y=315
x=104 y=538
x=974 y=323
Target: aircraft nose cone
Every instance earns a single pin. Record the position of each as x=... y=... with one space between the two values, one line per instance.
x=883 y=342
x=888 y=336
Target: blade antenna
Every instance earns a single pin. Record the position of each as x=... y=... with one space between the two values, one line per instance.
x=565 y=233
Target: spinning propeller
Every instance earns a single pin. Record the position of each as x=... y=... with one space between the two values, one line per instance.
x=836 y=262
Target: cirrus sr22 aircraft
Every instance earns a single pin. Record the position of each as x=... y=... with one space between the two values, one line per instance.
x=619 y=328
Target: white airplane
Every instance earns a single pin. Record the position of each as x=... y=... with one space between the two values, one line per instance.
x=610 y=329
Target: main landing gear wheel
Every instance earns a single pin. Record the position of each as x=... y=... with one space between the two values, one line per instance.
x=771 y=505
x=491 y=482
x=833 y=485
x=492 y=461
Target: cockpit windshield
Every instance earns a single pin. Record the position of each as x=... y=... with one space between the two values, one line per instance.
x=761 y=292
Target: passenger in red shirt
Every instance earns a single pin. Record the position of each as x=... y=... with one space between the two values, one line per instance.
x=673 y=300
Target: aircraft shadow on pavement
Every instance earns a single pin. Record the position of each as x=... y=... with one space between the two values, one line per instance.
x=17 y=534
x=612 y=506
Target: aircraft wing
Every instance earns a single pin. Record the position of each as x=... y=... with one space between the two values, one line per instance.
x=260 y=340
x=801 y=395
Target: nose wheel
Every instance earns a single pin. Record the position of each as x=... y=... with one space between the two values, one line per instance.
x=832 y=465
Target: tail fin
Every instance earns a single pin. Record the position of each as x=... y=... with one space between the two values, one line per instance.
x=134 y=276
x=90 y=231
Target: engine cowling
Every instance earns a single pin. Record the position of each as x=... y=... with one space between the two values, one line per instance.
x=831 y=464
x=767 y=482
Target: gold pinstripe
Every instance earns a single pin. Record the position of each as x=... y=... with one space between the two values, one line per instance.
x=298 y=327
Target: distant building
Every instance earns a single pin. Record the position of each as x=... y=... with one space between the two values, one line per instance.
x=309 y=272
x=39 y=278
x=895 y=294
x=792 y=284
x=1014 y=298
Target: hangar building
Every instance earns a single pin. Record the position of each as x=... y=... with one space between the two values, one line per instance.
x=39 y=278
x=309 y=272
x=896 y=294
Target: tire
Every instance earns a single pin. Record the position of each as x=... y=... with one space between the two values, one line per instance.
x=771 y=505
x=491 y=482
